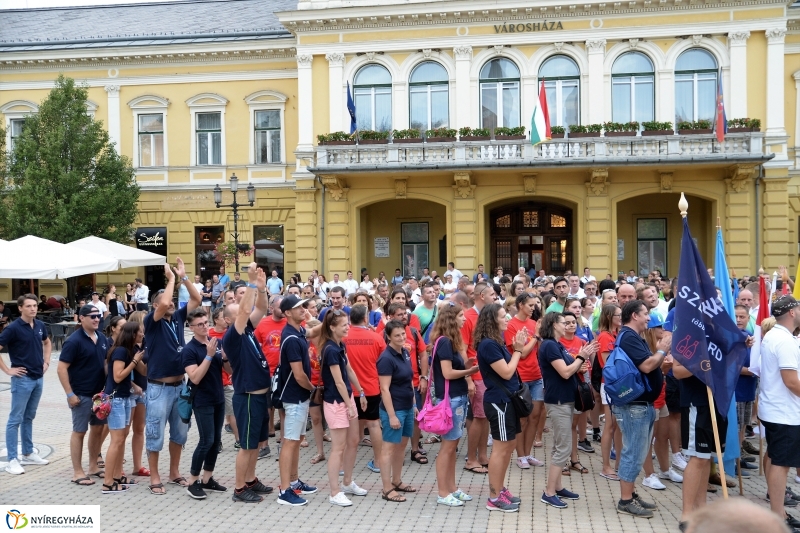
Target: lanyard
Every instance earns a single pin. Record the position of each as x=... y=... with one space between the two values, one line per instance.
x=173 y=329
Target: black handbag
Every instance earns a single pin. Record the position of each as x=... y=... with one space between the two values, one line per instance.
x=584 y=398
x=520 y=399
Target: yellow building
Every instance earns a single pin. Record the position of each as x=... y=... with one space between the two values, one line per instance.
x=196 y=92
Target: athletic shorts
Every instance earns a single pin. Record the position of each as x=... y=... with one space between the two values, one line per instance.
x=228 y=399
x=503 y=421
x=697 y=432
x=782 y=447
x=371 y=412
x=252 y=418
x=662 y=412
x=673 y=395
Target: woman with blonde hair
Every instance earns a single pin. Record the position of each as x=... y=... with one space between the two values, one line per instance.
x=139 y=410
x=315 y=409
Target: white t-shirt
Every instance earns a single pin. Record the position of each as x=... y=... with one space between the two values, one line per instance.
x=586 y=280
x=367 y=286
x=416 y=296
x=456 y=273
x=350 y=286
x=199 y=287
x=579 y=294
x=776 y=403
x=450 y=287
x=100 y=307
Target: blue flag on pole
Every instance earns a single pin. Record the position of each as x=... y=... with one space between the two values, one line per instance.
x=723 y=283
x=705 y=339
x=351 y=108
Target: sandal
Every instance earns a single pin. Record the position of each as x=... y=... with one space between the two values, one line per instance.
x=400 y=488
x=179 y=481
x=538 y=444
x=477 y=469
x=124 y=482
x=396 y=498
x=304 y=444
x=317 y=459
x=418 y=457
x=433 y=439
x=326 y=437
x=114 y=488
x=100 y=473
x=100 y=462
x=80 y=481
x=582 y=469
x=565 y=471
x=365 y=442
x=610 y=477
x=142 y=472
x=157 y=486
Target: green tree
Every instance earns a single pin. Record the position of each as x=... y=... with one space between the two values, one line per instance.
x=65 y=180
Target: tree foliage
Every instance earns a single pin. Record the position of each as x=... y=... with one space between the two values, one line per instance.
x=65 y=180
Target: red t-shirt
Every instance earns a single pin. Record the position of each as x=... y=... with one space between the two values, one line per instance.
x=363 y=349
x=413 y=321
x=605 y=343
x=268 y=334
x=661 y=401
x=316 y=376
x=214 y=334
x=574 y=346
x=471 y=316
x=528 y=368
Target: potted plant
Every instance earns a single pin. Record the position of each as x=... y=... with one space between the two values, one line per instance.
x=476 y=134
x=226 y=251
x=411 y=135
x=657 y=128
x=373 y=137
x=590 y=130
x=509 y=134
x=557 y=132
x=621 y=129
x=741 y=125
x=438 y=135
x=694 y=128
x=336 y=138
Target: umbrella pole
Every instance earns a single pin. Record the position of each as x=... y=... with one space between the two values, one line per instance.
x=717 y=443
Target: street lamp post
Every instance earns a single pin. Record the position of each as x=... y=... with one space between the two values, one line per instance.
x=251 y=199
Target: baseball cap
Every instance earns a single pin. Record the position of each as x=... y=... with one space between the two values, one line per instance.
x=88 y=310
x=656 y=321
x=783 y=304
x=290 y=302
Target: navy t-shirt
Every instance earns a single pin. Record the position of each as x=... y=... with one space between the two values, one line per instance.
x=250 y=367
x=638 y=351
x=556 y=389
x=293 y=350
x=209 y=390
x=746 y=386
x=87 y=362
x=444 y=352
x=334 y=354
x=138 y=378
x=164 y=344
x=24 y=343
x=124 y=386
x=397 y=365
x=490 y=351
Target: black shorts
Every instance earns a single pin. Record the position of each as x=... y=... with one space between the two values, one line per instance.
x=782 y=447
x=372 y=410
x=673 y=395
x=252 y=418
x=503 y=421
x=697 y=432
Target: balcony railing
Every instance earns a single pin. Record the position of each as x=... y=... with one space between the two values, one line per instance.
x=587 y=150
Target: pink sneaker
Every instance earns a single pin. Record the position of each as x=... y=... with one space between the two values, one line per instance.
x=533 y=461
x=522 y=462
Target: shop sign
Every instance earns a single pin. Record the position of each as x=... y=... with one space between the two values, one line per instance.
x=152 y=239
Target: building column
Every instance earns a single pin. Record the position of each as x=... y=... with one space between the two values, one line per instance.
x=600 y=252
x=337 y=224
x=463 y=55
x=338 y=106
x=738 y=218
x=665 y=103
x=114 y=130
x=305 y=112
x=775 y=83
x=464 y=249
x=775 y=217
x=306 y=225
x=737 y=101
x=597 y=51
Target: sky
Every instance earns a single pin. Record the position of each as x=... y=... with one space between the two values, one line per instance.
x=20 y=4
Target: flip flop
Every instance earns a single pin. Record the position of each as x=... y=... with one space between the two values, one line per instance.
x=477 y=470
x=538 y=444
x=304 y=444
x=99 y=473
x=326 y=438
x=179 y=481
x=611 y=477
x=142 y=472
x=318 y=458
x=365 y=442
x=79 y=480
x=158 y=486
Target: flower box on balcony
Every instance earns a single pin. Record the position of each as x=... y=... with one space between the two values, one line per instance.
x=440 y=139
x=695 y=132
x=650 y=133
x=742 y=130
x=475 y=138
x=620 y=134
x=556 y=135
x=508 y=137
x=414 y=140
x=373 y=141
x=337 y=143
x=577 y=135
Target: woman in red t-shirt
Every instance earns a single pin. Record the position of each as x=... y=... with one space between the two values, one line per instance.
x=217 y=331
x=652 y=335
x=574 y=344
x=610 y=322
x=315 y=410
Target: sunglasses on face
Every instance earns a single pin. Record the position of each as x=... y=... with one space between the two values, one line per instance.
x=93 y=317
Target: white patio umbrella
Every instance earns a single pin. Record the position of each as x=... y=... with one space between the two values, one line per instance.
x=127 y=256
x=34 y=258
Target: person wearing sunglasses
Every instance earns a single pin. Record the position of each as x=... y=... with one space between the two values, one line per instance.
x=81 y=371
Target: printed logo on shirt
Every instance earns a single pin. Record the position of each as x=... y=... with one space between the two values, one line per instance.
x=274 y=339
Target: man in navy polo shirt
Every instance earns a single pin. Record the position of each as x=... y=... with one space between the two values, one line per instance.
x=29 y=352
x=163 y=329
x=251 y=383
x=82 y=372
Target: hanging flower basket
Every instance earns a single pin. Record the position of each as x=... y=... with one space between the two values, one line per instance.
x=226 y=251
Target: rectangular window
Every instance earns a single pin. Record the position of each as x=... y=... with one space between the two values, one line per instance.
x=15 y=127
x=414 y=237
x=373 y=108
x=651 y=245
x=151 y=140
x=209 y=138
x=268 y=245
x=500 y=105
x=563 y=100
x=429 y=106
x=268 y=136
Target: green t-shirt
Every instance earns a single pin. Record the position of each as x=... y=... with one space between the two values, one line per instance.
x=424 y=314
x=555 y=307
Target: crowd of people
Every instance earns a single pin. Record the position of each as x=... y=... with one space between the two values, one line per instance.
x=359 y=360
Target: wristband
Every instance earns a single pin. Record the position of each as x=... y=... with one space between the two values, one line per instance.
x=209 y=358
x=263 y=292
x=224 y=360
x=70 y=395
x=252 y=286
x=185 y=278
x=662 y=352
x=582 y=358
x=362 y=394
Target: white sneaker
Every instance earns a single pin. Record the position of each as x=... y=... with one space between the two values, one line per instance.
x=678 y=461
x=672 y=475
x=33 y=459
x=490 y=441
x=797 y=479
x=14 y=468
x=522 y=462
x=533 y=461
x=652 y=482
x=340 y=499
x=353 y=489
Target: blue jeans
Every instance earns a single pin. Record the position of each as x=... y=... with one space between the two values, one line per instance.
x=458 y=405
x=162 y=407
x=636 y=423
x=25 y=396
x=209 y=420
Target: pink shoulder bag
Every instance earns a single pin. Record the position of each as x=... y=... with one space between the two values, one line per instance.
x=436 y=418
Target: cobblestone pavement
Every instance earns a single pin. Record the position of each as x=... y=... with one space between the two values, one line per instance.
x=138 y=510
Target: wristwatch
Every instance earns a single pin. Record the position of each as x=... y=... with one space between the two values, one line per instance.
x=185 y=278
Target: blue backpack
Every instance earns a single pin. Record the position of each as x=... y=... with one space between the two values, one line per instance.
x=623 y=381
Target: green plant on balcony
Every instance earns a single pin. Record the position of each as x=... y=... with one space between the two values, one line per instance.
x=696 y=125
x=372 y=135
x=744 y=123
x=594 y=128
x=509 y=132
x=621 y=126
x=411 y=133
x=440 y=132
x=575 y=128
x=557 y=130
x=473 y=132
x=652 y=125
x=335 y=136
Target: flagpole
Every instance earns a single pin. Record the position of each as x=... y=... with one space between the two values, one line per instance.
x=683 y=205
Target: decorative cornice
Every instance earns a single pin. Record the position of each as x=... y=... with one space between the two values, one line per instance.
x=304 y=60
x=112 y=90
x=463 y=187
x=739 y=177
x=335 y=185
x=335 y=59
x=738 y=37
x=462 y=52
x=596 y=46
x=633 y=43
x=775 y=35
x=598 y=182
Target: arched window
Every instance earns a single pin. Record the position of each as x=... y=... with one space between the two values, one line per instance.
x=428 y=96
x=372 y=92
x=633 y=88
x=695 y=86
x=562 y=83
x=500 y=106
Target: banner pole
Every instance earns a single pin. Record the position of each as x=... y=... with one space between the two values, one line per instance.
x=739 y=460
x=717 y=444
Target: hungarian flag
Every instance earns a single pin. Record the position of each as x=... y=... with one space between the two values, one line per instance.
x=763 y=313
x=540 y=122
x=721 y=122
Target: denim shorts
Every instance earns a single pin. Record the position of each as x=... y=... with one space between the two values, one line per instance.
x=83 y=416
x=120 y=415
x=162 y=407
x=294 y=421
x=636 y=422
x=458 y=405
x=406 y=429
x=537 y=390
x=228 y=400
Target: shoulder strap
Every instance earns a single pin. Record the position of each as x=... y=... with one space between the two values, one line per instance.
x=280 y=361
x=430 y=371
